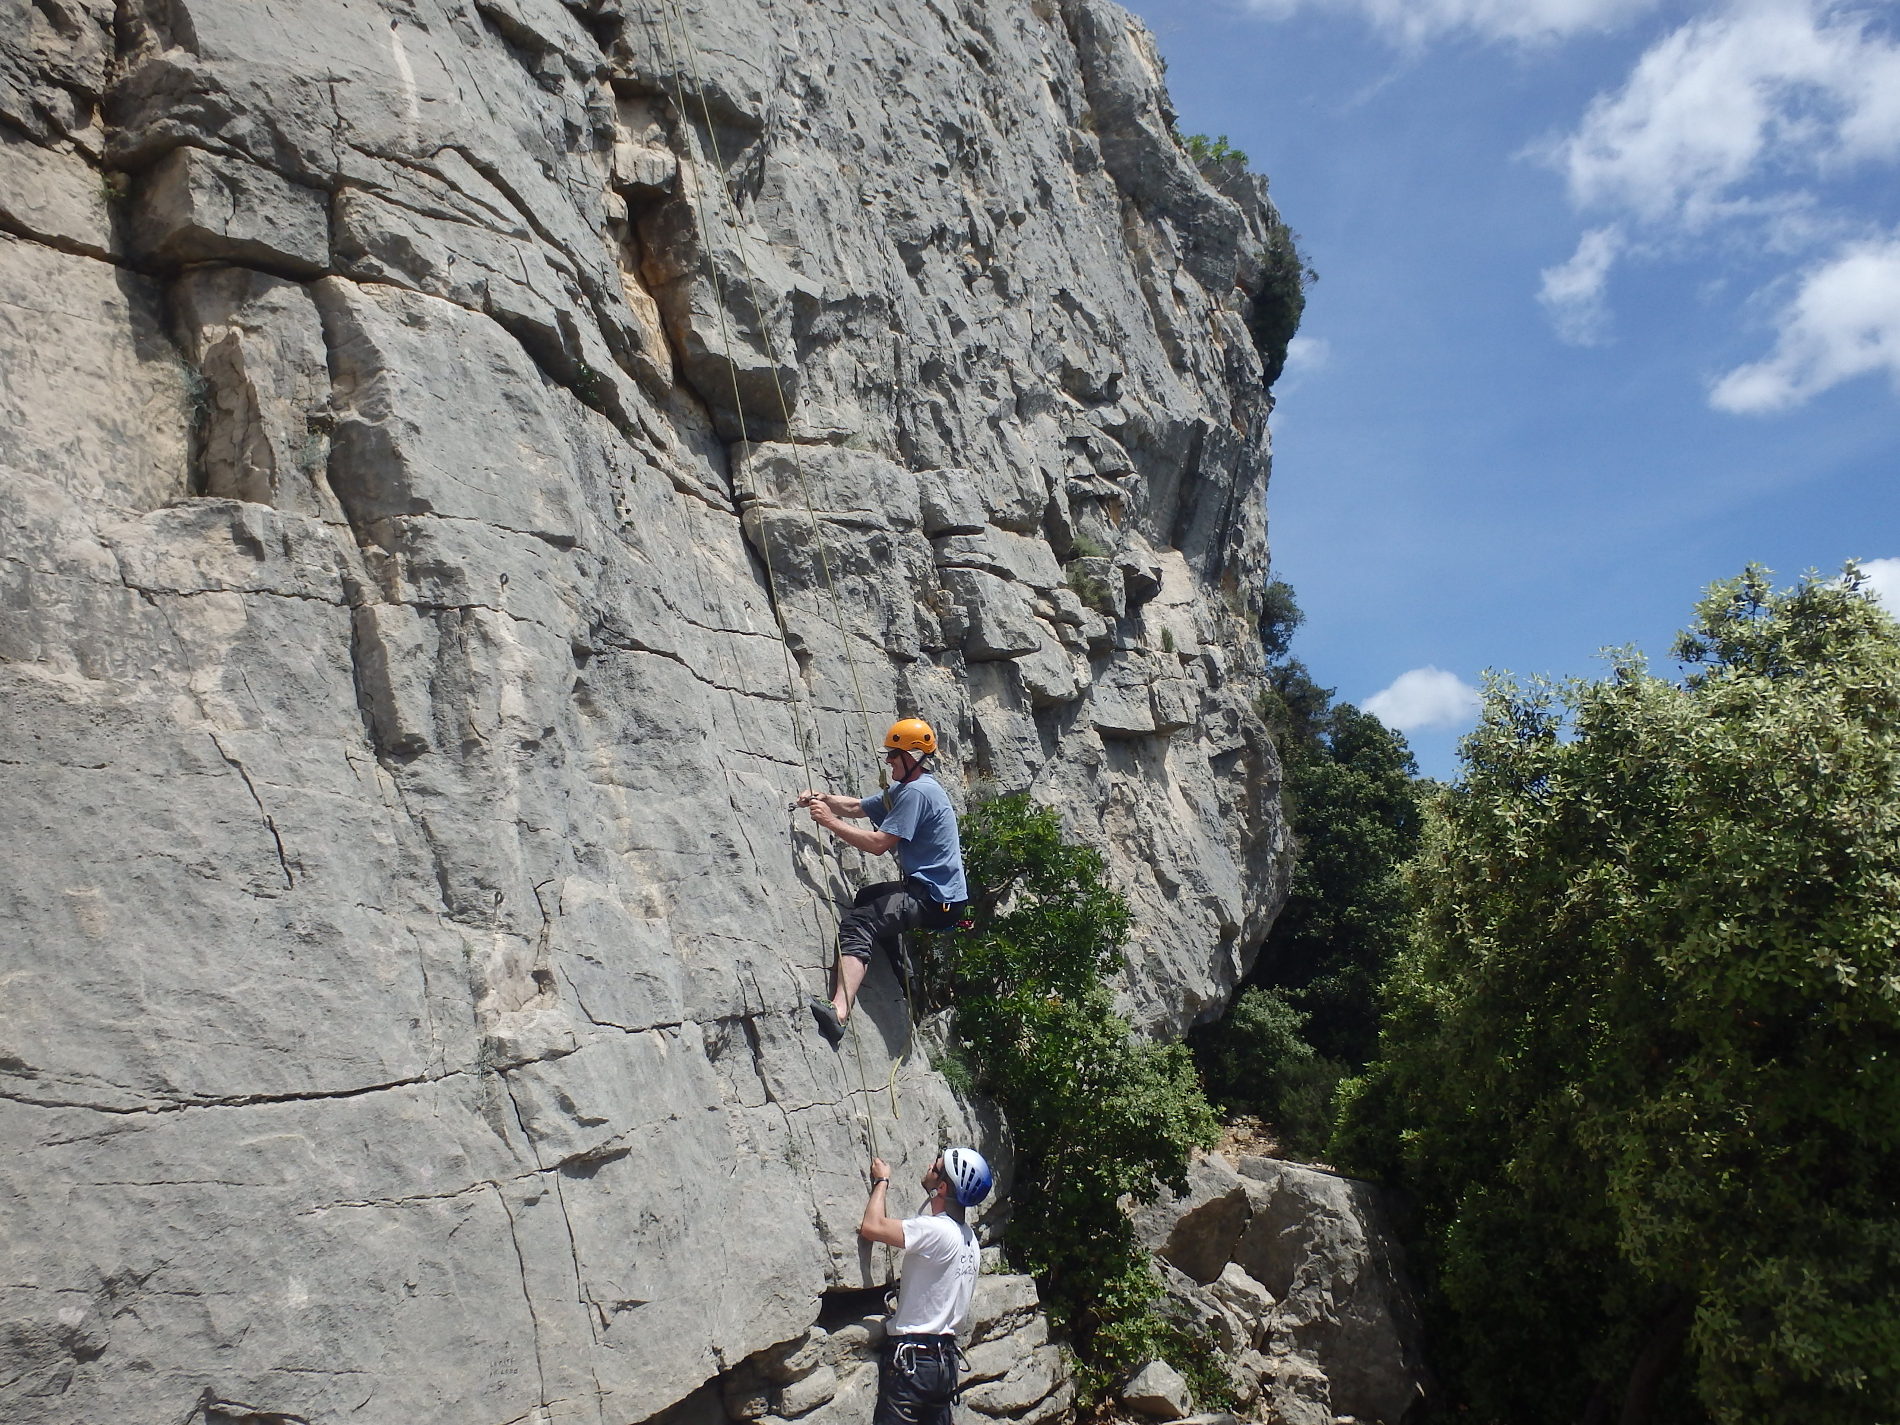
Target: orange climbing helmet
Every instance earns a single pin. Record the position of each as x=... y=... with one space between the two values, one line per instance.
x=910 y=734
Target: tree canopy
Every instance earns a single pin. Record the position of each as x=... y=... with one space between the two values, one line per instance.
x=1097 y=1115
x=1307 y=1014
x=1641 y=1065
x=1354 y=794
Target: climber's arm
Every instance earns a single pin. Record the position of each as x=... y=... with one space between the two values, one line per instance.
x=876 y=843
x=877 y=1225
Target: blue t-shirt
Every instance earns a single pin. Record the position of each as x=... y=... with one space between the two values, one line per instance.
x=920 y=816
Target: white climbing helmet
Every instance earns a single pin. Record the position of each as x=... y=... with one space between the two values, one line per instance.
x=968 y=1175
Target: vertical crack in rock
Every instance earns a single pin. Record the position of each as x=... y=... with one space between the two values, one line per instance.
x=751 y=1032
x=527 y=1292
x=270 y=822
x=550 y=1178
x=589 y=1308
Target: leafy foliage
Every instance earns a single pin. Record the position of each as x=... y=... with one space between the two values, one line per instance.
x=1353 y=791
x=1295 y=707
x=1208 y=153
x=1309 y=1013
x=1280 y=618
x=1274 y=315
x=1642 y=1067
x=1097 y=1115
x=1090 y=587
x=1255 y=1060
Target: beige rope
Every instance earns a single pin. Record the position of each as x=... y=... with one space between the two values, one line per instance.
x=675 y=47
x=738 y=406
x=778 y=386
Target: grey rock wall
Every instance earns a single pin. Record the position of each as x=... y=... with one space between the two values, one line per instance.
x=828 y=1375
x=1294 y=1276
x=467 y=465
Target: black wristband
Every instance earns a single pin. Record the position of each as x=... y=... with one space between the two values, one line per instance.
x=879 y=1182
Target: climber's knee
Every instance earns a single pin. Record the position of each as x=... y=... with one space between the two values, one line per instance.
x=858 y=932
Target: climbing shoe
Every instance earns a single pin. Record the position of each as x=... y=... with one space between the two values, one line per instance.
x=828 y=1022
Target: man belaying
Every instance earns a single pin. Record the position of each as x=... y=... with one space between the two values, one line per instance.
x=917 y=1364
x=914 y=818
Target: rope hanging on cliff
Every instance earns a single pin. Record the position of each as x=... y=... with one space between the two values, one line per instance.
x=799 y=736
x=773 y=364
x=669 y=18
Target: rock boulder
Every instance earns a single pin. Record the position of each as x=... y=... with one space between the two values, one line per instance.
x=1315 y=1313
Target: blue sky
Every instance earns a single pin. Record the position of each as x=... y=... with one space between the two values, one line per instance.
x=1609 y=307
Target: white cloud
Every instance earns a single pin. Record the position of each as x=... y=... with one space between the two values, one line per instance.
x=1764 y=88
x=1843 y=322
x=1425 y=699
x=1733 y=126
x=1304 y=356
x=1573 y=291
x=1308 y=353
x=1883 y=581
x=1413 y=22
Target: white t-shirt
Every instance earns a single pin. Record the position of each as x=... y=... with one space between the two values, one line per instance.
x=941 y=1258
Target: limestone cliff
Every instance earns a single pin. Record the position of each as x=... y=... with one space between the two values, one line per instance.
x=467 y=465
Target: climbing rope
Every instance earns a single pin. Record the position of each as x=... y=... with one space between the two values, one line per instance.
x=738 y=406
x=676 y=45
x=773 y=364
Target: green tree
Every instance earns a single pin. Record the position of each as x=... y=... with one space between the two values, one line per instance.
x=1307 y=1015
x=1280 y=618
x=1641 y=1067
x=1097 y=1116
x=1354 y=795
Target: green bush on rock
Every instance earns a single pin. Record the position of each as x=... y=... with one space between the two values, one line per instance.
x=1096 y=1114
x=1641 y=1068
x=1274 y=316
x=1209 y=152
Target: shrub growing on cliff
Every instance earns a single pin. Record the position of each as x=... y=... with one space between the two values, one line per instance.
x=1279 y=619
x=1096 y=1114
x=1642 y=1067
x=1274 y=316
x=1207 y=152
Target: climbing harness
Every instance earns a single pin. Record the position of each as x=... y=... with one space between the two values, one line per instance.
x=907 y=1353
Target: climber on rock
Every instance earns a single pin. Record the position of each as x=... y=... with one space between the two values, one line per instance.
x=917 y=1363
x=914 y=818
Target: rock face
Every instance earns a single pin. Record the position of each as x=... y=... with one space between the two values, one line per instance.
x=1292 y=1275
x=828 y=1375
x=467 y=466
x=1158 y=1391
